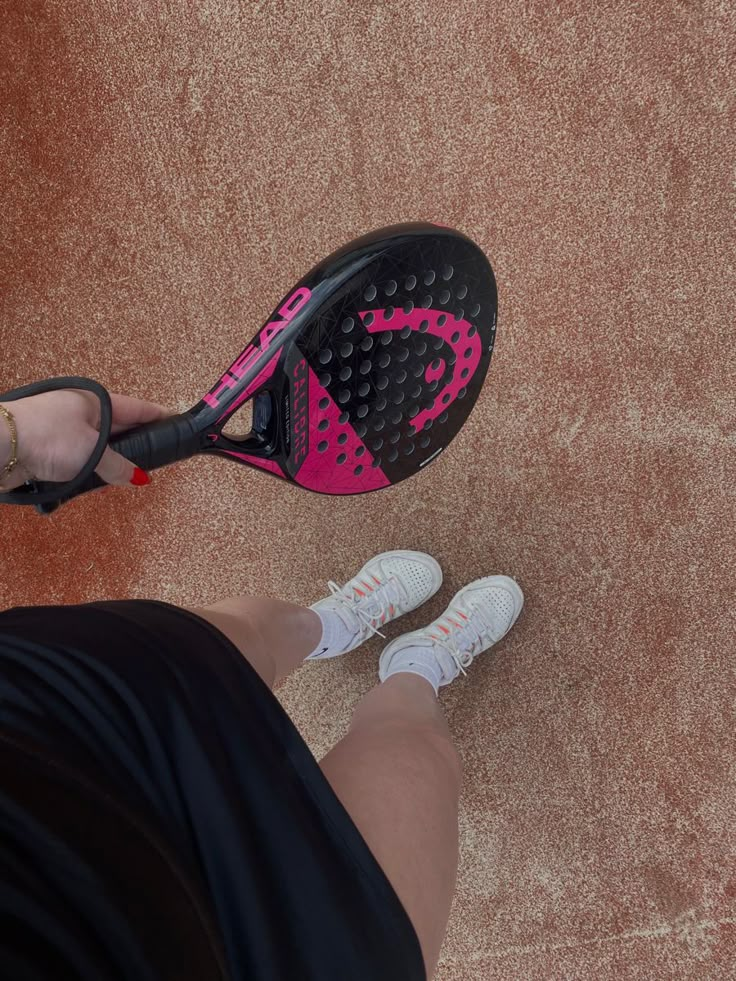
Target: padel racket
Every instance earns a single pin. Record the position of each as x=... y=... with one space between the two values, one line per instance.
x=361 y=377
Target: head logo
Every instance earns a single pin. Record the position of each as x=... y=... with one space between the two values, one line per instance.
x=248 y=358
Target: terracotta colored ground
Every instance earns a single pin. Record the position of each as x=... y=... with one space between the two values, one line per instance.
x=169 y=168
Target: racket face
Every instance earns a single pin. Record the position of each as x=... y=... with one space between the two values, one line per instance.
x=369 y=367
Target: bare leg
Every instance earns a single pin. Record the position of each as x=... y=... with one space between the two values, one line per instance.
x=273 y=636
x=396 y=771
x=398 y=775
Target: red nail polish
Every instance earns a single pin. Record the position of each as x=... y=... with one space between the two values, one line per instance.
x=140 y=478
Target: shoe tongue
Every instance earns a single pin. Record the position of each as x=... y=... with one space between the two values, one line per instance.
x=372 y=603
x=368 y=605
x=348 y=617
x=466 y=638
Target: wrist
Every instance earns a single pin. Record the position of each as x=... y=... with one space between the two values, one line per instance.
x=6 y=447
x=15 y=444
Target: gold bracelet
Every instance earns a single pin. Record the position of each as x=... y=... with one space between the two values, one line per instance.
x=10 y=467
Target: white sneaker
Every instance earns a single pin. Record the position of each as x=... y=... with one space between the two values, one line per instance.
x=387 y=587
x=477 y=618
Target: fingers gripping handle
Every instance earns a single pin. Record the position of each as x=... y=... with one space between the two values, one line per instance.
x=148 y=447
x=158 y=443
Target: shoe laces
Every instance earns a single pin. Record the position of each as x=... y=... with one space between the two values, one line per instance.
x=372 y=601
x=464 y=638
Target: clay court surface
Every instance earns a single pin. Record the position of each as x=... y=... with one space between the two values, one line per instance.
x=169 y=169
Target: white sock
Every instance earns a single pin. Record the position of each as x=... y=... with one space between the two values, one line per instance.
x=418 y=660
x=337 y=633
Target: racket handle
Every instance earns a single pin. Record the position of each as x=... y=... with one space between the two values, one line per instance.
x=159 y=443
x=151 y=446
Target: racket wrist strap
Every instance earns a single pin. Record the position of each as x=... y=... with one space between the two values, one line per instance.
x=29 y=493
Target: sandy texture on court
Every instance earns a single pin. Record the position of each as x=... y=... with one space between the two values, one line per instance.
x=168 y=169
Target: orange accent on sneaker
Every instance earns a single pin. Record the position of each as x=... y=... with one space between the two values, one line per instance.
x=455 y=624
x=376 y=581
x=443 y=629
x=358 y=591
x=392 y=610
x=461 y=615
x=369 y=588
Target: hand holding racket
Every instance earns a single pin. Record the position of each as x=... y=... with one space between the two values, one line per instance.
x=361 y=377
x=58 y=430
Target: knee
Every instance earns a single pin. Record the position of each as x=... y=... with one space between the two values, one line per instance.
x=429 y=757
x=443 y=752
x=238 y=622
x=422 y=751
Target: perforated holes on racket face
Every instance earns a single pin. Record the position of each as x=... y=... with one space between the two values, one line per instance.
x=398 y=358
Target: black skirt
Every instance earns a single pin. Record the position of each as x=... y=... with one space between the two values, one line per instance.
x=161 y=817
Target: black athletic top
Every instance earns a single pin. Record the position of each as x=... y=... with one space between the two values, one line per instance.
x=161 y=818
